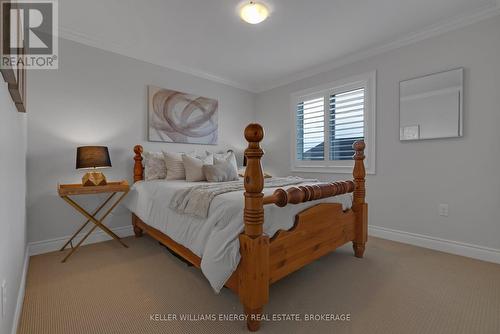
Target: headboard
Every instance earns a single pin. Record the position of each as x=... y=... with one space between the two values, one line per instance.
x=139 y=167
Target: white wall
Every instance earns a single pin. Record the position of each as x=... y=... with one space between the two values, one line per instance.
x=414 y=177
x=98 y=97
x=12 y=202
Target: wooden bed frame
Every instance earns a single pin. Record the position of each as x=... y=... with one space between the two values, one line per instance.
x=318 y=230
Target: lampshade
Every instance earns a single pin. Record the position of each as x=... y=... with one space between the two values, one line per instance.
x=92 y=157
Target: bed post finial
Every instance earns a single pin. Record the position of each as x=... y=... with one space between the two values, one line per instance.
x=138 y=169
x=359 y=172
x=254 y=244
x=359 y=205
x=138 y=176
x=254 y=181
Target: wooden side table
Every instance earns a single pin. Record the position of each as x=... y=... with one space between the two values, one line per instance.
x=67 y=190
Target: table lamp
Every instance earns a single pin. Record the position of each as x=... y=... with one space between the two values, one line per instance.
x=93 y=157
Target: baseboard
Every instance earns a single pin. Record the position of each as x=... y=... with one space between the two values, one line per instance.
x=20 y=292
x=443 y=245
x=51 y=245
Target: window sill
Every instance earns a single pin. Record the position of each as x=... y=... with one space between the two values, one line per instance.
x=327 y=169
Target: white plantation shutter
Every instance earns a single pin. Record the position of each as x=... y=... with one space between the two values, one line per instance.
x=328 y=119
x=311 y=129
x=345 y=126
x=346 y=123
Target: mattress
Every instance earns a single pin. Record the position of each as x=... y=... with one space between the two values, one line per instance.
x=215 y=238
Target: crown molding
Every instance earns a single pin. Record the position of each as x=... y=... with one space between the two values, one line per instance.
x=431 y=31
x=129 y=50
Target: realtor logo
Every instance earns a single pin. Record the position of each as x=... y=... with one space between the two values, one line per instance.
x=29 y=35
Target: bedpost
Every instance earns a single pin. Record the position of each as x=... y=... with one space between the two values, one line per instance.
x=254 y=244
x=138 y=169
x=359 y=205
x=138 y=176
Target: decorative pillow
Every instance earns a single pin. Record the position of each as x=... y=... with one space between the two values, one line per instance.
x=221 y=171
x=194 y=166
x=229 y=157
x=154 y=166
x=175 y=166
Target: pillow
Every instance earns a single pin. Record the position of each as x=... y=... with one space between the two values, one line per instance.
x=229 y=157
x=154 y=166
x=194 y=166
x=220 y=171
x=175 y=166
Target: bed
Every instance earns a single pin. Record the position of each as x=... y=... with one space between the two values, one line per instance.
x=234 y=246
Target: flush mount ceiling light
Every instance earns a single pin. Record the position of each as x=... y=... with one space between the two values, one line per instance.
x=254 y=12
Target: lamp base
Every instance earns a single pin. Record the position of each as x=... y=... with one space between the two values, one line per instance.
x=94 y=179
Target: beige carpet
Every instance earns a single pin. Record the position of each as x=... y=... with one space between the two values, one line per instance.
x=397 y=288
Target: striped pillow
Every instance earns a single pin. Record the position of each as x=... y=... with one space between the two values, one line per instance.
x=175 y=166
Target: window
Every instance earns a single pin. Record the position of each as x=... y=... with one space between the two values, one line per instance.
x=328 y=120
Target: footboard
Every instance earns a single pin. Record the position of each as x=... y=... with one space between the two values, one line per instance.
x=317 y=231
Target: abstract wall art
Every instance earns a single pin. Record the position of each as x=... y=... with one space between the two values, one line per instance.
x=178 y=117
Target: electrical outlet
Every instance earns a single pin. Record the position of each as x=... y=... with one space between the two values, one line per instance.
x=4 y=298
x=443 y=210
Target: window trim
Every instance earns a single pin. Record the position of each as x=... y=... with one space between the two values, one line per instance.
x=366 y=81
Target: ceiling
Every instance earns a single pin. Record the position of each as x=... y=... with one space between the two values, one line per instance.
x=207 y=38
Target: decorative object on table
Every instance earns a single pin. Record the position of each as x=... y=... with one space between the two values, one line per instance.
x=182 y=118
x=432 y=106
x=15 y=75
x=93 y=157
x=66 y=190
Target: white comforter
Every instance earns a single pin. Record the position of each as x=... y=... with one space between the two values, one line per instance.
x=215 y=238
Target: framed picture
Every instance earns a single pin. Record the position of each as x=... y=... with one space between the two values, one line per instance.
x=178 y=117
x=18 y=91
x=15 y=75
x=9 y=31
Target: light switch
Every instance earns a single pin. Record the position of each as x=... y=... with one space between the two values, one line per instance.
x=411 y=132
